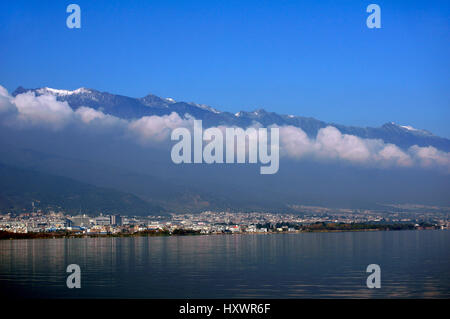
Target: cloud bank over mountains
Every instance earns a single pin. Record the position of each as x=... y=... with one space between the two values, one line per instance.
x=331 y=144
x=46 y=112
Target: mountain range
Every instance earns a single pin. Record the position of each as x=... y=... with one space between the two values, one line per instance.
x=130 y=108
x=102 y=173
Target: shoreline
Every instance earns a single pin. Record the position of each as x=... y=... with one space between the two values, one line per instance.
x=55 y=235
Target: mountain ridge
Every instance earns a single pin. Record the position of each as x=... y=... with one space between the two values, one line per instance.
x=130 y=108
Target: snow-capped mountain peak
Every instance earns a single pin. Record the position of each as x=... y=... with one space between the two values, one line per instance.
x=409 y=129
x=47 y=90
x=206 y=107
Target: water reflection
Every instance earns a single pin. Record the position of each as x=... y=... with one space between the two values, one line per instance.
x=414 y=264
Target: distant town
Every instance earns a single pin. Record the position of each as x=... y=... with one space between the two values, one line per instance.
x=37 y=223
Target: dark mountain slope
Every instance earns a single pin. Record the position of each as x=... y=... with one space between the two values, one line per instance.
x=19 y=187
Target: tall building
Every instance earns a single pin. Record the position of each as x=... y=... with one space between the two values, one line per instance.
x=116 y=220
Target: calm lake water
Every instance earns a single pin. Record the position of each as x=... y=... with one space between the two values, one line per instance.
x=414 y=264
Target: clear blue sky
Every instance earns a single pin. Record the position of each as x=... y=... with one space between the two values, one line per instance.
x=310 y=58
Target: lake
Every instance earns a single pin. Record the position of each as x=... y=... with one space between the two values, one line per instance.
x=414 y=264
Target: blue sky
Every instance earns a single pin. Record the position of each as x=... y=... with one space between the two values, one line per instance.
x=310 y=58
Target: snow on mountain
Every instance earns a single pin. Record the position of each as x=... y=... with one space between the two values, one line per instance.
x=170 y=100
x=125 y=107
x=47 y=90
x=206 y=107
x=410 y=129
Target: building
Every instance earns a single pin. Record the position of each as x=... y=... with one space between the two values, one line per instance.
x=116 y=220
x=102 y=220
x=81 y=220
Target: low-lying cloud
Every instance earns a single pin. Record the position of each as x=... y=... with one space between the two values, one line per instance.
x=331 y=144
x=45 y=111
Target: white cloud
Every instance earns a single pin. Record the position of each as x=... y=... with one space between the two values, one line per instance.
x=157 y=128
x=94 y=118
x=392 y=154
x=42 y=110
x=6 y=106
x=430 y=157
x=45 y=111
x=330 y=143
